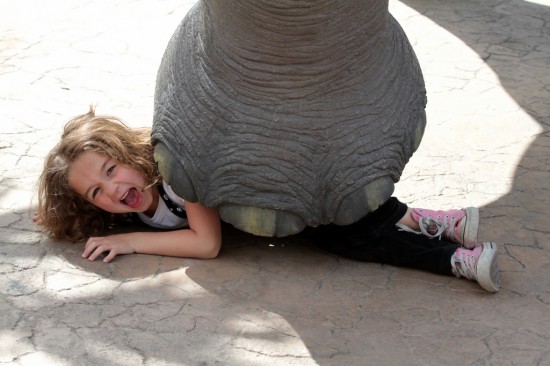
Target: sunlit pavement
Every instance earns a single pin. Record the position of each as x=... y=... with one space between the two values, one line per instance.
x=281 y=301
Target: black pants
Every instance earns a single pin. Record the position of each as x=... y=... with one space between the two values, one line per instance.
x=375 y=238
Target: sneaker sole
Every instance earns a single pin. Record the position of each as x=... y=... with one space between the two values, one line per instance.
x=487 y=268
x=471 y=227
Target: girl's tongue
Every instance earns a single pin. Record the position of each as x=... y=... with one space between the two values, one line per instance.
x=133 y=198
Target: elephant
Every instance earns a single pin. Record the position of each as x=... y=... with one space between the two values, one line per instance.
x=290 y=113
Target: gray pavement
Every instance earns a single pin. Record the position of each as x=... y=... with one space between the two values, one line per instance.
x=281 y=301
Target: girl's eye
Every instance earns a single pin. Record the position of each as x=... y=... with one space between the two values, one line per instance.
x=95 y=192
x=110 y=170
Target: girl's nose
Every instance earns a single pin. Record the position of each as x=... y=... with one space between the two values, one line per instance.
x=112 y=191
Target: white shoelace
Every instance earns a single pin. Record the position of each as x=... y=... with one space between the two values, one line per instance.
x=428 y=227
x=431 y=228
x=464 y=265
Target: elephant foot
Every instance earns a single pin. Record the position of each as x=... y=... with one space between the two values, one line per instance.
x=364 y=200
x=262 y=221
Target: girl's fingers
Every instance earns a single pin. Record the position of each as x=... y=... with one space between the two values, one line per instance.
x=112 y=254
x=99 y=245
x=97 y=252
x=89 y=247
x=93 y=248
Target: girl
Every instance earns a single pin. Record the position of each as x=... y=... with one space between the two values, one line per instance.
x=101 y=169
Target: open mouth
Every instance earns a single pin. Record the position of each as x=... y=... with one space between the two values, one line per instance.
x=131 y=198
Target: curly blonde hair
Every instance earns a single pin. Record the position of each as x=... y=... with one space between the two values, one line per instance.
x=65 y=214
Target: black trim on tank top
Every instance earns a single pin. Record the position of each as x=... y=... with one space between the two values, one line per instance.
x=174 y=208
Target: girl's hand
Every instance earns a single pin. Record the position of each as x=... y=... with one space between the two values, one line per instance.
x=37 y=219
x=114 y=244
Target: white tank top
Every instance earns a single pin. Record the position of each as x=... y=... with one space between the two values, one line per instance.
x=163 y=217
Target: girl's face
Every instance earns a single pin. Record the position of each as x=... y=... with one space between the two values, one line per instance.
x=109 y=185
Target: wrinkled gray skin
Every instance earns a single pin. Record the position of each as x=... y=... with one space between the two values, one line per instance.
x=286 y=113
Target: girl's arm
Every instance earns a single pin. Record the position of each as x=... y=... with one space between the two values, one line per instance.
x=201 y=240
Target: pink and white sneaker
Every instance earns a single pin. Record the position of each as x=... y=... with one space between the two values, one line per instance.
x=458 y=226
x=478 y=264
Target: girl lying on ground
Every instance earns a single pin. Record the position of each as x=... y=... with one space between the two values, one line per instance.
x=102 y=169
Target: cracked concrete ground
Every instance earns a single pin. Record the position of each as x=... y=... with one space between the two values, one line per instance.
x=281 y=301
